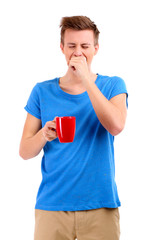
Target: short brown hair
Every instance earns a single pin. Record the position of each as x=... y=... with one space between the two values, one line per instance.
x=78 y=23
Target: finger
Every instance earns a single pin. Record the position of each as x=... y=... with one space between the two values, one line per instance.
x=51 y=138
x=54 y=125
x=72 y=65
x=53 y=129
x=51 y=134
x=55 y=119
x=78 y=58
x=51 y=124
x=73 y=68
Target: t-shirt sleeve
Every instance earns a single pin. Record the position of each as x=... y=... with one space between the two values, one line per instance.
x=33 y=103
x=118 y=87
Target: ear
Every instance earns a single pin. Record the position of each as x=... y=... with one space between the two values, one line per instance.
x=62 y=47
x=96 y=49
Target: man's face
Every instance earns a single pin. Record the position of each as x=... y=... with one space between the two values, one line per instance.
x=79 y=43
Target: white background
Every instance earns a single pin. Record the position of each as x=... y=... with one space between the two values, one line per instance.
x=29 y=53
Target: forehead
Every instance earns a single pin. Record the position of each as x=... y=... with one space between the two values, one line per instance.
x=76 y=36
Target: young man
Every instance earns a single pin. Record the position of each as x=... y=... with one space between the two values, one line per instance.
x=78 y=196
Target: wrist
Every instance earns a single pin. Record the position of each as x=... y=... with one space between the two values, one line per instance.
x=43 y=136
x=87 y=83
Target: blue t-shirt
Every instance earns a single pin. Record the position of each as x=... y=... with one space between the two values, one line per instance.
x=78 y=175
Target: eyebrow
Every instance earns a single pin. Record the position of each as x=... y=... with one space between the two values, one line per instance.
x=81 y=44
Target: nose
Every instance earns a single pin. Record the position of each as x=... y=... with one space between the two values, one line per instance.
x=77 y=52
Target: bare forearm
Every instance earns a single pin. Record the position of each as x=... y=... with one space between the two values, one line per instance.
x=108 y=114
x=31 y=146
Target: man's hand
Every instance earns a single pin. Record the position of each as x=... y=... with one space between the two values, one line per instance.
x=79 y=67
x=49 y=130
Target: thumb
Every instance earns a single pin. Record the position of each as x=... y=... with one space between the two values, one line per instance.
x=55 y=118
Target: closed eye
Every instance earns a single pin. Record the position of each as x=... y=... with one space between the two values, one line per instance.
x=84 y=47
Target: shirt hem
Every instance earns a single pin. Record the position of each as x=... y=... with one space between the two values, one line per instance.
x=78 y=208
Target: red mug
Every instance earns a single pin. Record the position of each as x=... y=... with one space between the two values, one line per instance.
x=65 y=127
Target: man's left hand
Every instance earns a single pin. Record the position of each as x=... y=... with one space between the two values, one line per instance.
x=79 y=67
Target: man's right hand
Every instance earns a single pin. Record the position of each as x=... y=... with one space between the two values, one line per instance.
x=34 y=137
x=49 y=130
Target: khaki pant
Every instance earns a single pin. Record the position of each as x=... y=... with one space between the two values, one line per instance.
x=96 y=224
